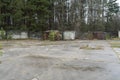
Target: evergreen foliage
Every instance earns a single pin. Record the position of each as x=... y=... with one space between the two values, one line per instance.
x=41 y=15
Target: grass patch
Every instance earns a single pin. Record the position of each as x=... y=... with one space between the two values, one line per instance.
x=45 y=43
x=115 y=44
x=87 y=47
x=1 y=53
x=1 y=47
x=115 y=38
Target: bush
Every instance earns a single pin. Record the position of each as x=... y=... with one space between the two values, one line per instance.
x=2 y=34
x=1 y=50
x=1 y=53
x=107 y=36
x=89 y=35
x=9 y=36
x=52 y=36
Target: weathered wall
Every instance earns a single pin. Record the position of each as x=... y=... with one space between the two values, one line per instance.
x=118 y=34
x=69 y=35
x=19 y=35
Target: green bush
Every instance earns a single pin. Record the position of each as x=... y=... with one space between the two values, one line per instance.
x=1 y=50
x=55 y=35
x=107 y=36
x=1 y=53
x=9 y=36
x=52 y=35
x=2 y=34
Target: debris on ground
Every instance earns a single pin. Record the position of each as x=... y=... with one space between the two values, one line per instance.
x=88 y=47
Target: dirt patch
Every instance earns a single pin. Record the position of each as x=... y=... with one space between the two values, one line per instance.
x=1 y=53
x=39 y=61
x=115 y=44
x=45 y=43
x=38 y=57
x=82 y=68
x=87 y=47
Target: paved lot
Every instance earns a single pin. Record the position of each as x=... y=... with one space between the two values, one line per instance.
x=64 y=60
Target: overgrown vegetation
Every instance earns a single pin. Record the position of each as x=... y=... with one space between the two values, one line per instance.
x=115 y=44
x=1 y=53
x=55 y=35
x=1 y=50
x=2 y=34
x=87 y=47
x=52 y=36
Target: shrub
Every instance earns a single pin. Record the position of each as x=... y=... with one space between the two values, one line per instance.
x=2 y=34
x=9 y=36
x=107 y=36
x=89 y=35
x=1 y=53
x=55 y=35
x=52 y=36
x=1 y=50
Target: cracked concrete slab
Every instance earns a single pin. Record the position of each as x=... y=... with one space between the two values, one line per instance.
x=63 y=60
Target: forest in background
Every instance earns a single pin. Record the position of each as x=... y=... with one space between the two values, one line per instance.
x=77 y=15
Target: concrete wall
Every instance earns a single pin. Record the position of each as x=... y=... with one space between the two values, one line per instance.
x=19 y=35
x=69 y=35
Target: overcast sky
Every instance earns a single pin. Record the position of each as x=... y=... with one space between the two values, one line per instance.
x=119 y=2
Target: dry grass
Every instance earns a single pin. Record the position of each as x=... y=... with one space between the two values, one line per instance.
x=38 y=57
x=87 y=47
x=1 y=50
x=1 y=53
x=1 y=47
x=115 y=44
x=27 y=43
x=82 y=68
x=115 y=38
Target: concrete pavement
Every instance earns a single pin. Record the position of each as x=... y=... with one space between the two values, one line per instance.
x=66 y=61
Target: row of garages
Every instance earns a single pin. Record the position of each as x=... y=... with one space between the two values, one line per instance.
x=66 y=35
